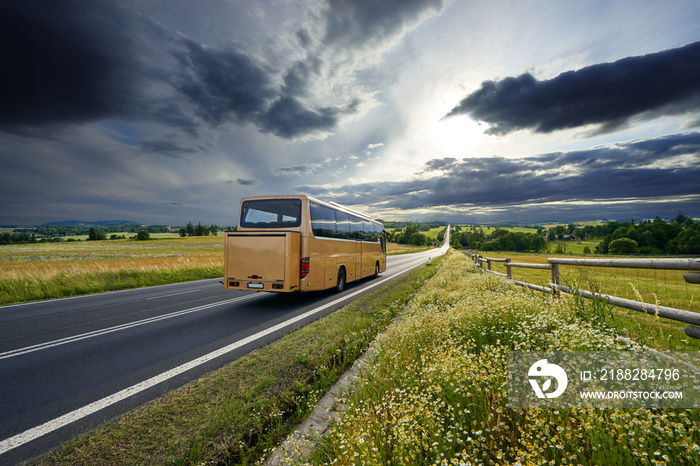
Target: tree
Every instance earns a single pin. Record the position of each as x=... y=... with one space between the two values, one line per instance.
x=537 y=243
x=622 y=246
x=418 y=239
x=189 y=229
x=143 y=235
x=95 y=235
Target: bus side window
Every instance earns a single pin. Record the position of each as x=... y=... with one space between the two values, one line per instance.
x=322 y=220
x=342 y=222
x=356 y=227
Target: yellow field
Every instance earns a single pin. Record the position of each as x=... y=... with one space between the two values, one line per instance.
x=109 y=255
x=51 y=270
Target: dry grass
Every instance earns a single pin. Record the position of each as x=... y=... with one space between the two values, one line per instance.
x=54 y=270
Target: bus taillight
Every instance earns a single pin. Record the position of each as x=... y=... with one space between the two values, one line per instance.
x=304 y=269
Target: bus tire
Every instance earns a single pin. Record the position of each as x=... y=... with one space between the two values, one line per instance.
x=340 y=284
x=376 y=270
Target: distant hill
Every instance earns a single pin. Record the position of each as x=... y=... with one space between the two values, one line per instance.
x=100 y=223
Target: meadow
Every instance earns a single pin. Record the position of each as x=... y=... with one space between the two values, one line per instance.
x=436 y=392
x=38 y=271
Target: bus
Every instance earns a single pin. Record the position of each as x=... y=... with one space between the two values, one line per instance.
x=295 y=243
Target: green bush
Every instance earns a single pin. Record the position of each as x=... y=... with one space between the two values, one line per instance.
x=622 y=246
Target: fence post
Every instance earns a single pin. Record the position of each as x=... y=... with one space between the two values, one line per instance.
x=509 y=272
x=555 y=280
x=488 y=262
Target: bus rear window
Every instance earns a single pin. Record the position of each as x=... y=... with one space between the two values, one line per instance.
x=271 y=213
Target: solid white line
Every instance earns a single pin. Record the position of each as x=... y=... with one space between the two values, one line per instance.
x=62 y=421
x=117 y=328
x=173 y=294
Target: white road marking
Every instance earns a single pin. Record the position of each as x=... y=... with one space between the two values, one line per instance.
x=172 y=294
x=117 y=328
x=62 y=421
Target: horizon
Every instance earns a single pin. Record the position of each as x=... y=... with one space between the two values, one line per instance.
x=480 y=112
x=116 y=223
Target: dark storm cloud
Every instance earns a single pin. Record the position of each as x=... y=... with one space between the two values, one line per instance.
x=67 y=61
x=608 y=95
x=644 y=170
x=223 y=85
x=70 y=61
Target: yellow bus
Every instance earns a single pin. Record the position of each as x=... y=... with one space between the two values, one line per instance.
x=295 y=243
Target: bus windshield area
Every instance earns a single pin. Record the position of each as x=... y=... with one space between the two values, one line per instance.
x=271 y=213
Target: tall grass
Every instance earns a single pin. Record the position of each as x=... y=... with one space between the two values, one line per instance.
x=436 y=392
x=57 y=270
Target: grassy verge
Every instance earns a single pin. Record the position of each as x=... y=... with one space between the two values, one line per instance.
x=436 y=392
x=237 y=413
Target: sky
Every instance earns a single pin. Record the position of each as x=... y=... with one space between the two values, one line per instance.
x=165 y=112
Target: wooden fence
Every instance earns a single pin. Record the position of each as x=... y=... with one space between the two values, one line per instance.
x=692 y=275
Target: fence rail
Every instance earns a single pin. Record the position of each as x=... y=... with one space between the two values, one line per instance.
x=692 y=266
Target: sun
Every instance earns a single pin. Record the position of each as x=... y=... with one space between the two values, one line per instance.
x=457 y=136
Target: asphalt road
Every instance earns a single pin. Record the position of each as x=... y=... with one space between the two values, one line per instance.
x=67 y=365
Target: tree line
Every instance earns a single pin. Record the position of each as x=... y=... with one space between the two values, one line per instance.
x=199 y=230
x=57 y=233
x=681 y=235
x=54 y=231
x=497 y=240
x=411 y=234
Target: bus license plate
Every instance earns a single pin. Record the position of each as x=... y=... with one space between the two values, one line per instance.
x=258 y=286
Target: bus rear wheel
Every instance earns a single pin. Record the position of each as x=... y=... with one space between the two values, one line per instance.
x=340 y=284
x=376 y=270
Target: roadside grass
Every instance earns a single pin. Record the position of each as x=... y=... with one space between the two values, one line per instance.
x=30 y=272
x=436 y=391
x=235 y=415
